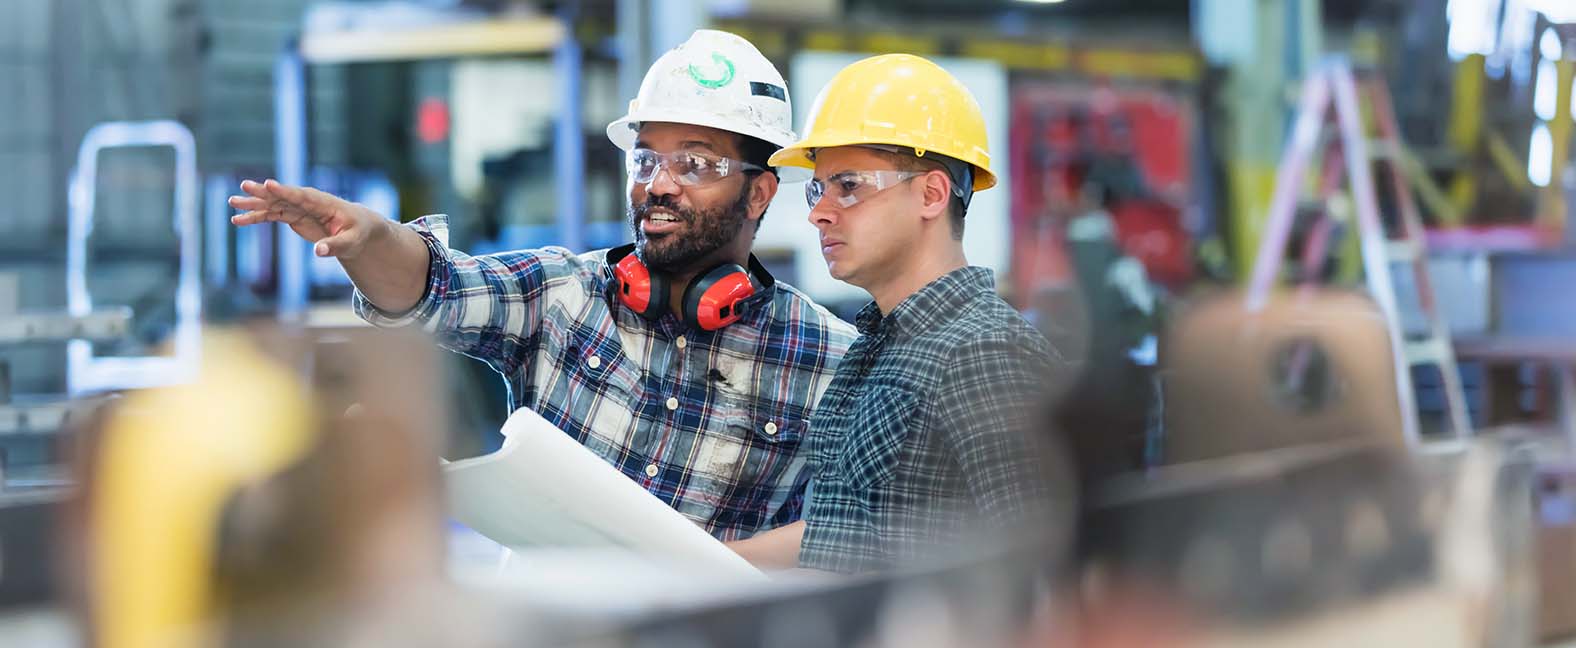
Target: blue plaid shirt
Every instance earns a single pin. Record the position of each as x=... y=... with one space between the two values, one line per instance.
x=929 y=437
x=708 y=421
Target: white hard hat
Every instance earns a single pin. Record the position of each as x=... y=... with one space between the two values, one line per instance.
x=714 y=79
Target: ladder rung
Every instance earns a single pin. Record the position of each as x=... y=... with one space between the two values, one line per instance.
x=1384 y=150
x=1403 y=250
x=1431 y=350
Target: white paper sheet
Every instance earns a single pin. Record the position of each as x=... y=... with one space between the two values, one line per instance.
x=543 y=489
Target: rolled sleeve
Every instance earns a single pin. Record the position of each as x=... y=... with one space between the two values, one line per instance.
x=434 y=231
x=489 y=307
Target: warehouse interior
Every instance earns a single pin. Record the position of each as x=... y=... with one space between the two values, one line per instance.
x=1300 y=262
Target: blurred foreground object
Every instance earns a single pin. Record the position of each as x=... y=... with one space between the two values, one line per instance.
x=169 y=464
x=1305 y=369
x=1291 y=509
x=253 y=507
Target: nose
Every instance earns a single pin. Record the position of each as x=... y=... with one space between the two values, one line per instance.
x=823 y=215
x=662 y=184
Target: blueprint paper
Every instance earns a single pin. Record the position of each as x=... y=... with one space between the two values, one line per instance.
x=543 y=489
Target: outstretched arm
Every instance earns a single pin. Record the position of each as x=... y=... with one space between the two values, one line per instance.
x=388 y=263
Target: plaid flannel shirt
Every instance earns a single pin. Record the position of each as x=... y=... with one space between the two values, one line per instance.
x=927 y=437
x=710 y=422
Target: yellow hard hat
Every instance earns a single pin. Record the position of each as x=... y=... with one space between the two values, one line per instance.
x=897 y=100
x=169 y=462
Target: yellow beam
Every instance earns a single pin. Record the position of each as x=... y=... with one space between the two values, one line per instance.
x=1551 y=210
x=1173 y=66
x=1465 y=131
x=1505 y=159
x=1020 y=55
x=887 y=42
x=825 y=41
x=1428 y=192
x=1135 y=63
x=481 y=38
x=1252 y=188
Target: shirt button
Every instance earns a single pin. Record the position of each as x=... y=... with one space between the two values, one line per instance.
x=680 y=343
x=771 y=429
x=673 y=403
x=594 y=362
x=651 y=470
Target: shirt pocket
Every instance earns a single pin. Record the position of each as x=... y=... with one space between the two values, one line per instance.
x=747 y=455
x=598 y=388
x=876 y=434
x=599 y=357
x=765 y=435
x=754 y=444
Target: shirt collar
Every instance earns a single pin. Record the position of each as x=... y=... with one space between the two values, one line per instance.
x=938 y=300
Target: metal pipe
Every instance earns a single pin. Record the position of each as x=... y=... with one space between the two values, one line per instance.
x=290 y=161
x=569 y=138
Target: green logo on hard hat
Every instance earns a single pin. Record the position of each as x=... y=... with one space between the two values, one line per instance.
x=723 y=65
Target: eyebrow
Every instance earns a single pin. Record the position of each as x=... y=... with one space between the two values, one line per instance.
x=685 y=145
x=839 y=175
x=698 y=144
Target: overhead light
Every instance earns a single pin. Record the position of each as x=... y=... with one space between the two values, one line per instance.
x=1042 y=1
x=1540 y=156
x=1550 y=46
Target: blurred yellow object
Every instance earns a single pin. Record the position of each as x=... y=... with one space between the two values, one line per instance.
x=168 y=465
x=1551 y=202
x=898 y=100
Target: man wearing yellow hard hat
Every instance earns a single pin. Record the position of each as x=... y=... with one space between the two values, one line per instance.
x=926 y=434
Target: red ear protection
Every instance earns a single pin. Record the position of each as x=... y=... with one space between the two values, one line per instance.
x=712 y=300
x=720 y=297
x=640 y=290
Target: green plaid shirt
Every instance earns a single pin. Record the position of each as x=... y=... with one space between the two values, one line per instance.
x=927 y=435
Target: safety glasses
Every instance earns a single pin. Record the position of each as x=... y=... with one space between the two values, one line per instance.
x=850 y=188
x=688 y=168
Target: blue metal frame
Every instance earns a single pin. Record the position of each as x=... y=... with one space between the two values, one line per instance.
x=291 y=156
x=290 y=167
x=569 y=139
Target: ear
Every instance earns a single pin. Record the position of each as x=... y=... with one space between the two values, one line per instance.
x=936 y=193
x=761 y=194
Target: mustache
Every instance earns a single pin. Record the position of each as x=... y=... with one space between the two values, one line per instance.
x=661 y=202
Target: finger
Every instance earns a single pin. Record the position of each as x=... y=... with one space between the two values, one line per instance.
x=247 y=203
x=335 y=245
x=308 y=201
x=254 y=188
x=254 y=217
x=315 y=200
x=287 y=193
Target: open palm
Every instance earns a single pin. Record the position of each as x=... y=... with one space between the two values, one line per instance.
x=336 y=226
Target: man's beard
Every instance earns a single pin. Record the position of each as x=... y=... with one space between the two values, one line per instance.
x=706 y=231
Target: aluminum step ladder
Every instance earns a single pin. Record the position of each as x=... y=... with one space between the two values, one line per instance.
x=1334 y=85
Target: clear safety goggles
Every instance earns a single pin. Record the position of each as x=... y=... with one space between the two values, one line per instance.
x=688 y=168
x=850 y=188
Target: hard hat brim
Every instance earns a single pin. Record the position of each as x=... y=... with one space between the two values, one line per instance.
x=797 y=155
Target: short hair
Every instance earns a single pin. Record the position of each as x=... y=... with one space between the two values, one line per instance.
x=907 y=161
x=756 y=151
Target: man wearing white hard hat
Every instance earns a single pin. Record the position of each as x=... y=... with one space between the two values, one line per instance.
x=677 y=358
